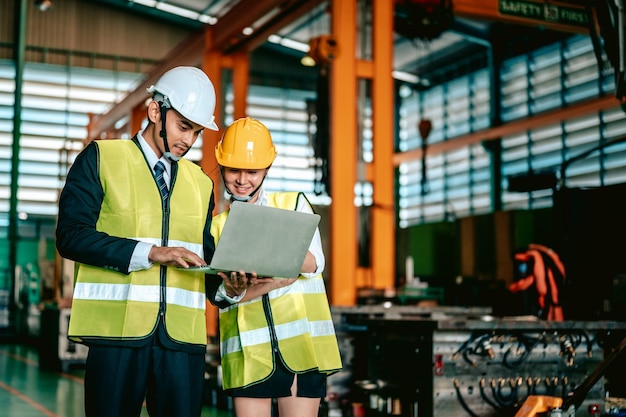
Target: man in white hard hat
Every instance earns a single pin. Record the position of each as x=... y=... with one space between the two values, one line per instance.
x=131 y=212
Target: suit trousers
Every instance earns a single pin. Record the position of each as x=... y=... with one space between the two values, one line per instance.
x=118 y=379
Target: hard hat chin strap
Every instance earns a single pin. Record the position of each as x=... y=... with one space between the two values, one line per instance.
x=237 y=198
x=165 y=106
x=246 y=198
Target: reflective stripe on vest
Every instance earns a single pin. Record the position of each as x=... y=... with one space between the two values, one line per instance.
x=144 y=293
x=286 y=330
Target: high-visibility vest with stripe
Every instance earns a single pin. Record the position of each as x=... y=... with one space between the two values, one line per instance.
x=295 y=319
x=111 y=305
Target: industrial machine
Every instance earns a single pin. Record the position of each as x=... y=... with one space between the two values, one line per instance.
x=56 y=351
x=440 y=362
x=557 y=407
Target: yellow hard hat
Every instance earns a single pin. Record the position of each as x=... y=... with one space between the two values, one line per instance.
x=246 y=144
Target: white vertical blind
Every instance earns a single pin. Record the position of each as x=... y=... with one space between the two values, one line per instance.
x=553 y=77
x=457 y=182
x=548 y=78
x=56 y=101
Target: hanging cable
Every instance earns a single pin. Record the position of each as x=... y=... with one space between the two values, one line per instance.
x=457 y=387
x=483 y=395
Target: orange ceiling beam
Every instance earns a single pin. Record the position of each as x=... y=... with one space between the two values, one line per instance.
x=511 y=128
x=188 y=52
x=226 y=36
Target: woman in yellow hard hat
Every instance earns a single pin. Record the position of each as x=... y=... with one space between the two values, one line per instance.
x=276 y=334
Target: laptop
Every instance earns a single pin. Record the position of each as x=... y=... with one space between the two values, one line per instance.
x=270 y=241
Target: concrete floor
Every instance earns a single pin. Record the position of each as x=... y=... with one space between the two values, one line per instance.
x=26 y=390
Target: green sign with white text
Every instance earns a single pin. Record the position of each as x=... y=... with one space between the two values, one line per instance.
x=544 y=12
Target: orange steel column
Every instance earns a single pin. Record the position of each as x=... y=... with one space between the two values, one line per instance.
x=383 y=252
x=241 y=81
x=138 y=115
x=212 y=65
x=343 y=154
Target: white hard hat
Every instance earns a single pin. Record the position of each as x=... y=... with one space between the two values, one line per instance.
x=190 y=92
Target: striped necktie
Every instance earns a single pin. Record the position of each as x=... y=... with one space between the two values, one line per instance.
x=159 y=168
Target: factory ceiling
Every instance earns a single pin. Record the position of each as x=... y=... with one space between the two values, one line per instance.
x=430 y=40
x=434 y=40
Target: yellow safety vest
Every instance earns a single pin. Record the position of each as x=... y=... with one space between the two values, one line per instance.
x=111 y=305
x=296 y=319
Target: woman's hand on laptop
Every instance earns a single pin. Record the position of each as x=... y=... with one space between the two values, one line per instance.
x=236 y=283
x=263 y=285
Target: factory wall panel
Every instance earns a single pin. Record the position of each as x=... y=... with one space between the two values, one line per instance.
x=92 y=32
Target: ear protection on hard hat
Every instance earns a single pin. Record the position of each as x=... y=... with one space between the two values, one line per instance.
x=246 y=144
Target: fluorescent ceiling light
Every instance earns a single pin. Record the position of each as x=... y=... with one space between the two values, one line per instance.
x=289 y=43
x=405 y=76
x=43 y=5
x=148 y=3
x=179 y=11
x=307 y=61
x=210 y=20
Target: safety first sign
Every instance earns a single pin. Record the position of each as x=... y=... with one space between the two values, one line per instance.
x=552 y=13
